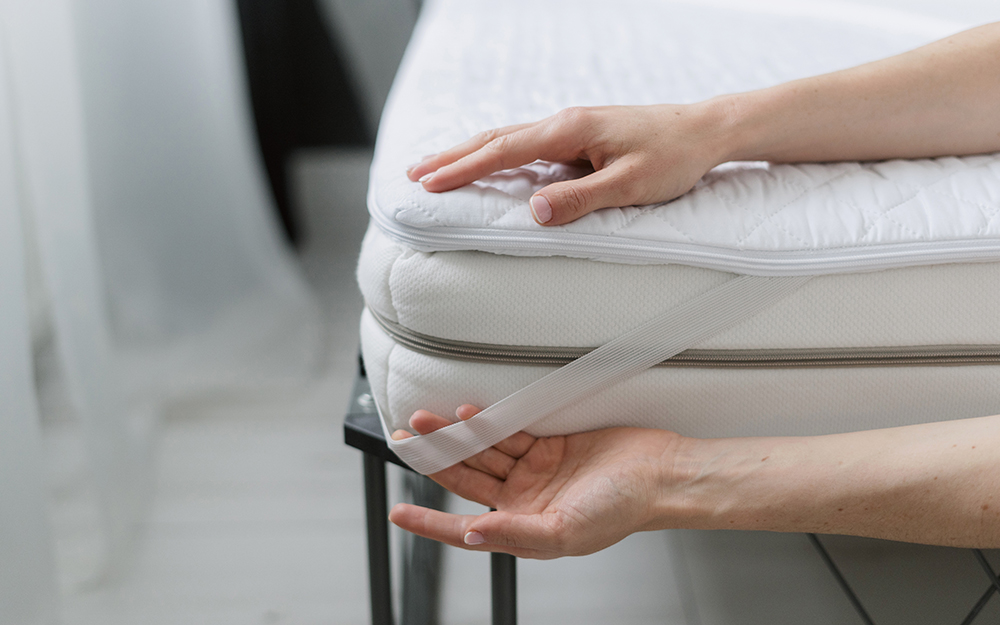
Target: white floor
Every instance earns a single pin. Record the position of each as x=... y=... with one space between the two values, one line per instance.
x=257 y=515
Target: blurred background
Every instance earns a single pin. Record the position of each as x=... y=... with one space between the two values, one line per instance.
x=182 y=200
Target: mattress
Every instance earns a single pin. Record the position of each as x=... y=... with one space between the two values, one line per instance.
x=468 y=300
x=423 y=305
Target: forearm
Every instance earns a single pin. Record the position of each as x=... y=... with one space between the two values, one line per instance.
x=935 y=483
x=941 y=99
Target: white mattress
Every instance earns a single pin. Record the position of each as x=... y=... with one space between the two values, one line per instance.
x=474 y=65
x=906 y=251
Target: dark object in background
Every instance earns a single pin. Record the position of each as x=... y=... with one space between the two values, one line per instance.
x=299 y=88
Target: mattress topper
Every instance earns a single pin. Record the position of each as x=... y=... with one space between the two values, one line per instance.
x=474 y=65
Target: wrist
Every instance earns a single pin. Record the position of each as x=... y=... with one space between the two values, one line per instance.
x=731 y=483
x=711 y=131
x=688 y=486
x=742 y=130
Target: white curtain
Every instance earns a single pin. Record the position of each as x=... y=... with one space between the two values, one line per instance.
x=162 y=269
x=190 y=251
x=27 y=582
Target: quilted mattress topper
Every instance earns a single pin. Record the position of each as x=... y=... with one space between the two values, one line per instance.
x=474 y=65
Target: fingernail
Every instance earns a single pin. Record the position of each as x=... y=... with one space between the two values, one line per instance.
x=426 y=177
x=541 y=209
x=410 y=168
x=474 y=538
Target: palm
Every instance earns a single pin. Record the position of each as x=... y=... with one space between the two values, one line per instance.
x=562 y=495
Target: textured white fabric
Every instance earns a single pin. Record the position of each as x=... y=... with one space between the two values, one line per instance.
x=504 y=300
x=475 y=64
x=28 y=582
x=666 y=335
x=694 y=402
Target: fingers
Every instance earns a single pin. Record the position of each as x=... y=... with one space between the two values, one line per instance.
x=563 y=202
x=514 y=446
x=474 y=479
x=425 y=422
x=467 y=411
x=504 y=152
x=434 y=162
x=475 y=533
x=480 y=477
x=434 y=524
x=560 y=137
x=490 y=461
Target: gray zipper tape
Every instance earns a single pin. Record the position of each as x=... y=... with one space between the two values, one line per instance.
x=676 y=330
x=778 y=358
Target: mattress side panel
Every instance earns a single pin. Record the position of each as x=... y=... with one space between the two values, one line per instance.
x=486 y=298
x=696 y=402
x=375 y=264
x=376 y=347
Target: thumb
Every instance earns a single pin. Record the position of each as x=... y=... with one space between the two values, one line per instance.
x=524 y=535
x=563 y=202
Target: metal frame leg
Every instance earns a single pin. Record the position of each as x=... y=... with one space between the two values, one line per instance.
x=377 y=515
x=421 y=558
x=503 y=579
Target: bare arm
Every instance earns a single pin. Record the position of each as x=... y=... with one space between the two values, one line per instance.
x=941 y=99
x=935 y=483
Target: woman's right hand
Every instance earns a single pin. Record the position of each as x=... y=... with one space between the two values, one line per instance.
x=555 y=496
x=640 y=155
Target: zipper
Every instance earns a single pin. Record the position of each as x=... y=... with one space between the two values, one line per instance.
x=552 y=242
x=931 y=356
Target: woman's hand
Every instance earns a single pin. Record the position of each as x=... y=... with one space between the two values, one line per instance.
x=933 y=483
x=640 y=155
x=557 y=496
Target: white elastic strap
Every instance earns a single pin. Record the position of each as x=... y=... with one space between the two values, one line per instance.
x=676 y=330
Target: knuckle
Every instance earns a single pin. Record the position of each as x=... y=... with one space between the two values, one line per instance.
x=558 y=535
x=506 y=539
x=633 y=186
x=576 y=198
x=498 y=144
x=486 y=136
x=573 y=116
x=499 y=148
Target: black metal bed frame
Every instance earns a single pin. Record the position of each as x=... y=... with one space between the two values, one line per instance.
x=363 y=431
